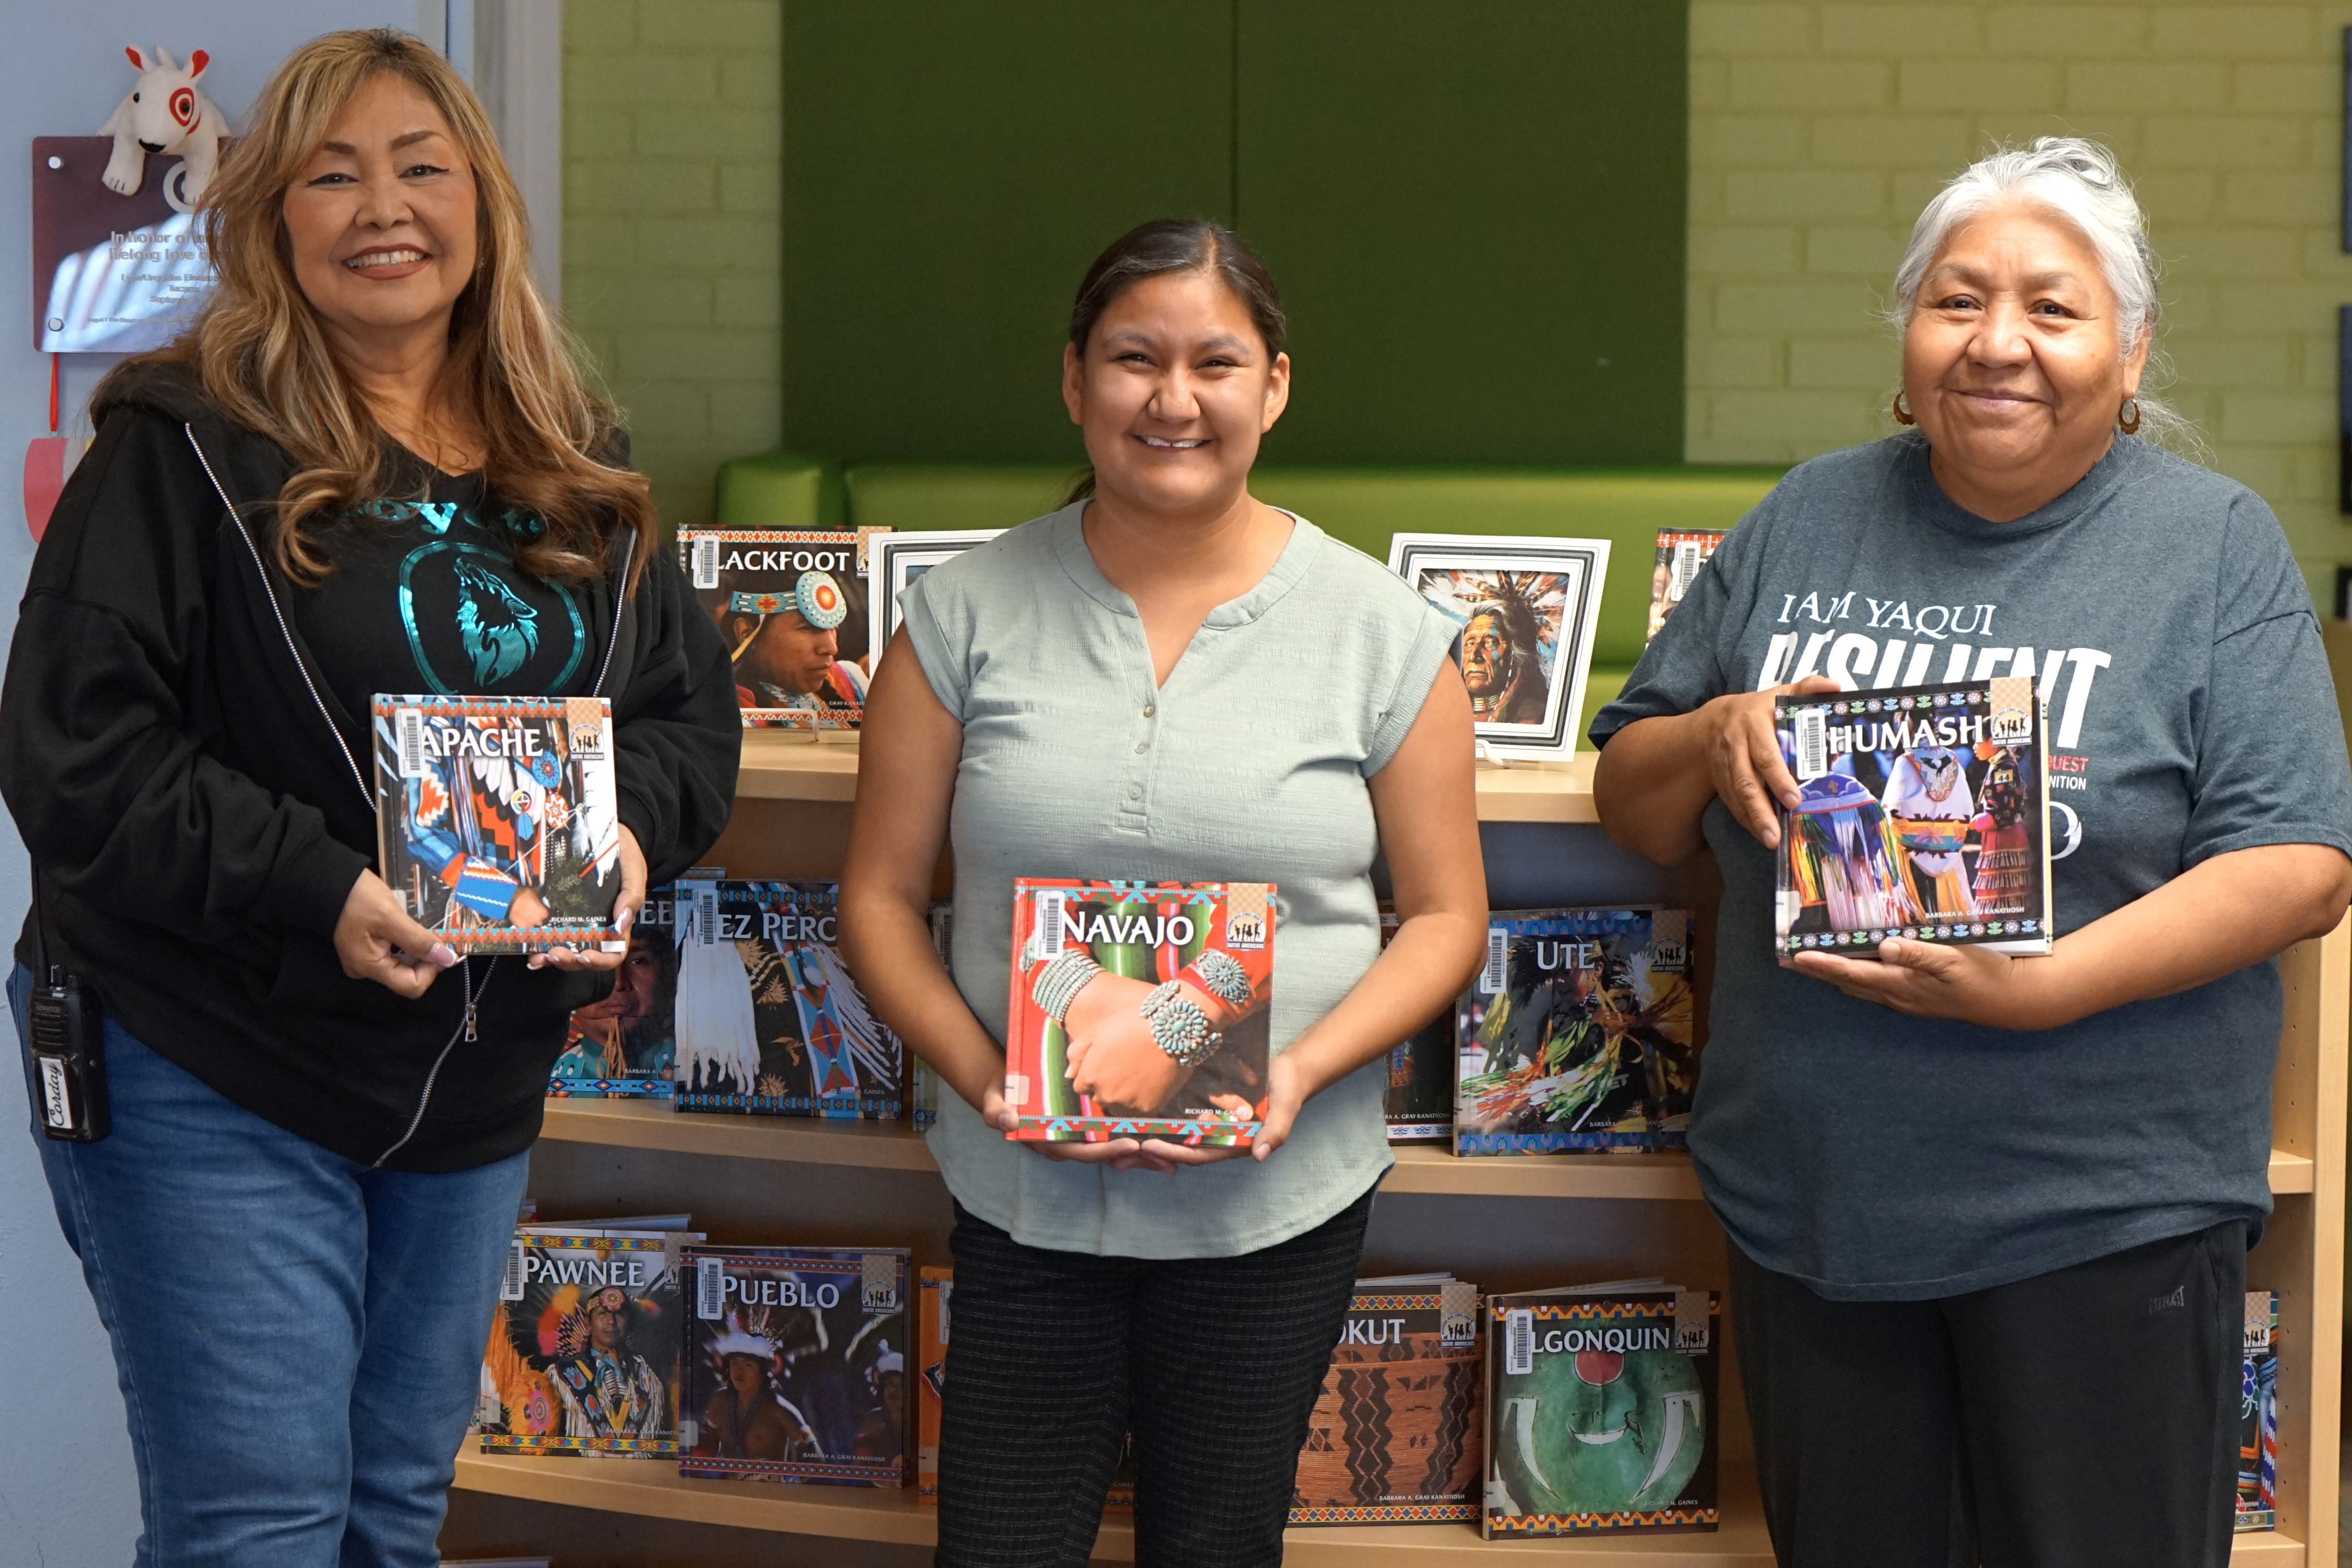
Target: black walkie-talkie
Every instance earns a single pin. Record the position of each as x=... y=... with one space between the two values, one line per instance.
x=66 y=1033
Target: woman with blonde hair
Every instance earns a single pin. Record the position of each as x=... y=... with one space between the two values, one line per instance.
x=370 y=467
x=1990 y=1214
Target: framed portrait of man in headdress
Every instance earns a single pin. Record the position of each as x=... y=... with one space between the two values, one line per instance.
x=1526 y=608
x=894 y=560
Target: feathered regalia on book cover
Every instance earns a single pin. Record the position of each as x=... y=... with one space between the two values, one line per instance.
x=1394 y=1436
x=625 y=1047
x=583 y=1347
x=497 y=820
x=1139 y=1010
x=795 y=1365
x=1924 y=814
x=1601 y=1411
x=769 y=1020
x=1577 y=1034
x=791 y=607
x=2258 y=1415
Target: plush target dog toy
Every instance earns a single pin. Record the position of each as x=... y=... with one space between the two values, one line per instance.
x=164 y=112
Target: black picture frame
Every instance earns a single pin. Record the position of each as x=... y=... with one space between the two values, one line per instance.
x=2344 y=408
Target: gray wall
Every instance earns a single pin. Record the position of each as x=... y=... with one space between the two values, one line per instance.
x=67 y=1493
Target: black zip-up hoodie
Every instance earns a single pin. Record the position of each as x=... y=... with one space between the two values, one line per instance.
x=197 y=804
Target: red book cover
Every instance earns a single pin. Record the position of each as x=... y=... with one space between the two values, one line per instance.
x=1139 y=1010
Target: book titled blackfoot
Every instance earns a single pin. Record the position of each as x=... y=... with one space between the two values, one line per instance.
x=498 y=822
x=1139 y=1010
x=1394 y=1436
x=1577 y=1034
x=795 y=1365
x=1924 y=813
x=1600 y=1410
x=791 y=607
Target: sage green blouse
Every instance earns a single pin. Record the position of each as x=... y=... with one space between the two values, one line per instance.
x=1248 y=765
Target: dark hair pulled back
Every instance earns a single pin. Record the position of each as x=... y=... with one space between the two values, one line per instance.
x=1174 y=244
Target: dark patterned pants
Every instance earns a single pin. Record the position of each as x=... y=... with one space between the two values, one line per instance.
x=1213 y=1363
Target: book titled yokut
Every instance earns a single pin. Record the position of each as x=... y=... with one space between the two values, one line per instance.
x=1923 y=813
x=1139 y=1010
x=498 y=822
x=1394 y=1436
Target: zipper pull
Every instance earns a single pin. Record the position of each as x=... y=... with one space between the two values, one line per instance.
x=471 y=1035
x=465 y=974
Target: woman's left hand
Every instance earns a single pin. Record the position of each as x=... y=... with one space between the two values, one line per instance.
x=1973 y=984
x=1286 y=1091
x=1112 y=1054
x=624 y=915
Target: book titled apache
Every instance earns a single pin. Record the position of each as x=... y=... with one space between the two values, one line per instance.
x=497 y=820
x=1192 y=962
x=1394 y=1436
x=1924 y=813
x=795 y=1365
x=583 y=1349
x=791 y=605
x=1601 y=1411
x=1680 y=552
x=1577 y=1034
x=769 y=1020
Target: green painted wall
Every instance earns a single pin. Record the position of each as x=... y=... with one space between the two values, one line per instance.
x=1476 y=211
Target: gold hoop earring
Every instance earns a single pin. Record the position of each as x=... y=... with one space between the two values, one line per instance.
x=1902 y=415
x=2128 y=426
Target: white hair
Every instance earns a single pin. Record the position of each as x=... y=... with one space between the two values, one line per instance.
x=2075 y=180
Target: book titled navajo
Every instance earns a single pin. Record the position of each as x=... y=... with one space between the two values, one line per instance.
x=1394 y=1436
x=1924 y=814
x=2258 y=1415
x=625 y=1047
x=1600 y=1410
x=769 y=1020
x=795 y=1365
x=1577 y=1034
x=791 y=607
x=1680 y=552
x=1419 y=1100
x=583 y=1349
x=1194 y=960
x=498 y=822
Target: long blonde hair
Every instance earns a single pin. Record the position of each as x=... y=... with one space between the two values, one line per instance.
x=264 y=363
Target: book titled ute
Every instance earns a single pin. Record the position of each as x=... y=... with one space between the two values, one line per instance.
x=1139 y=1010
x=498 y=821
x=1924 y=813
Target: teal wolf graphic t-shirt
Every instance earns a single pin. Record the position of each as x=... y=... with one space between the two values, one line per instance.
x=2158 y=608
x=426 y=596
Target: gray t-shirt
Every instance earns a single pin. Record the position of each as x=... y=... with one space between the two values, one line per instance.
x=1249 y=765
x=1879 y=1157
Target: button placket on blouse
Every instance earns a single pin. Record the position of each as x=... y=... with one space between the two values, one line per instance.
x=1135 y=785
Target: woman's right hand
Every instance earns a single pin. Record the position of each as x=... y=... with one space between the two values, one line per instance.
x=1743 y=754
x=377 y=940
x=1118 y=1153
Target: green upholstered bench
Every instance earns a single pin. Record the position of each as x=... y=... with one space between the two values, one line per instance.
x=1362 y=506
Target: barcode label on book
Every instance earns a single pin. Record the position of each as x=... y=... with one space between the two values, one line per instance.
x=947 y=1294
x=1686 y=564
x=1496 y=973
x=1812 y=728
x=1519 y=1341
x=709 y=1289
x=706 y=562
x=408 y=732
x=1048 y=928
x=706 y=917
x=511 y=1284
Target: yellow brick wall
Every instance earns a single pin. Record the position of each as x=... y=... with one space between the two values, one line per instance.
x=1818 y=131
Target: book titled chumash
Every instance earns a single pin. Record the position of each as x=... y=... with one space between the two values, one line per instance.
x=497 y=820
x=1577 y=1034
x=1924 y=814
x=1600 y=1410
x=1193 y=961
x=1393 y=1439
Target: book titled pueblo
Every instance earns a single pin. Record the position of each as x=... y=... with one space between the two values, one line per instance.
x=1139 y=1010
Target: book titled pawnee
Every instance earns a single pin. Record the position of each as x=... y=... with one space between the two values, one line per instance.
x=1924 y=813
x=1139 y=1010
x=498 y=821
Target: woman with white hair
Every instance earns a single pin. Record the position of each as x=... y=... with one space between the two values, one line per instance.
x=1990 y=1214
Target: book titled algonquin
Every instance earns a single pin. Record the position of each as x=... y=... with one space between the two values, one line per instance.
x=1394 y=1436
x=498 y=822
x=1139 y=1010
x=1600 y=1410
x=1924 y=813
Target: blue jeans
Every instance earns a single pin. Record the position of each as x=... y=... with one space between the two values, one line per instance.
x=299 y=1339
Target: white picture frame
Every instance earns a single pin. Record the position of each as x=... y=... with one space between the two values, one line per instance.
x=1541 y=597
x=894 y=558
